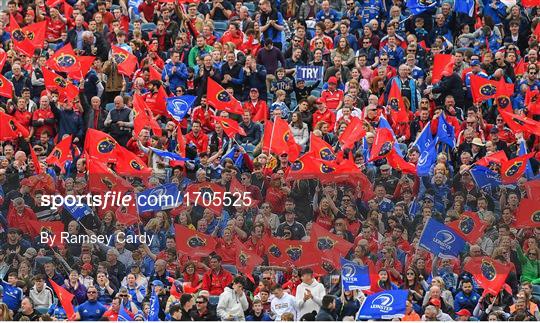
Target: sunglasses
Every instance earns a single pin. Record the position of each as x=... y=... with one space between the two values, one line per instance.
x=93 y=292
x=200 y=302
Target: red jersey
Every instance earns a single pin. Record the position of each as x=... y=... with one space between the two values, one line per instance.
x=216 y=283
x=54 y=28
x=207 y=123
x=147 y=10
x=276 y=198
x=44 y=114
x=20 y=221
x=200 y=141
x=332 y=98
x=24 y=118
x=326 y=116
x=227 y=251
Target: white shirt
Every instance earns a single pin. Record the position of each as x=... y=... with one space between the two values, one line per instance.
x=282 y=305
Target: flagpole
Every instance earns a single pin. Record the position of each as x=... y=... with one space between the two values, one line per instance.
x=271 y=137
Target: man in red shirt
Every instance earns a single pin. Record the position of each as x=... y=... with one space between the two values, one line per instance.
x=146 y=9
x=56 y=24
x=333 y=97
x=257 y=107
x=197 y=137
x=323 y=114
x=216 y=278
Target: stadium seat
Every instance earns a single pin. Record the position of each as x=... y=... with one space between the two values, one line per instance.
x=316 y=93
x=213 y=300
x=150 y=26
x=231 y=268
x=250 y=6
x=220 y=26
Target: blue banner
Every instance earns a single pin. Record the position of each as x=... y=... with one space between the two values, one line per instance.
x=486 y=179
x=440 y=240
x=179 y=106
x=523 y=151
x=123 y=315
x=384 y=305
x=445 y=132
x=168 y=154
x=159 y=198
x=428 y=154
x=309 y=73
x=354 y=276
x=77 y=211
x=464 y=6
x=153 y=315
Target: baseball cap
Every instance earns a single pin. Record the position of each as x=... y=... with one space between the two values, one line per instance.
x=254 y=89
x=332 y=80
x=30 y=253
x=475 y=62
x=320 y=101
x=463 y=312
x=158 y=282
x=436 y=302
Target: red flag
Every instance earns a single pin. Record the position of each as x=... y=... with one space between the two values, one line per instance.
x=279 y=140
x=35 y=33
x=327 y=242
x=127 y=215
x=53 y=229
x=156 y=102
x=61 y=153
x=143 y=117
x=64 y=60
x=64 y=87
x=519 y=69
x=530 y=3
x=490 y=274
x=3 y=58
x=221 y=99
x=193 y=243
x=230 y=127
x=154 y=74
x=354 y=131
x=129 y=164
x=35 y=161
x=261 y=115
x=18 y=36
x=6 y=87
x=482 y=88
x=536 y=31
x=307 y=167
x=513 y=169
x=398 y=163
x=180 y=142
x=240 y=190
x=496 y=158
x=441 y=62
x=65 y=299
x=290 y=252
x=10 y=128
x=520 y=123
x=532 y=101
x=320 y=149
x=53 y=3
x=101 y=146
x=84 y=65
x=398 y=112
x=127 y=62
x=102 y=179
x=424 y=46
x=207 y=195
x=503 y=94
x=533 y=189
x=247 y=260
x=468 y=226
x=528 y=213
x=383 y=144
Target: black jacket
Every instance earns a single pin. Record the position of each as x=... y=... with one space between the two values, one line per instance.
x=451 y=85
x=324 y=315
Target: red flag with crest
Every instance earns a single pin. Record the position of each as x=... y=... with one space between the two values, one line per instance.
x=490 y=274
x=84 y=65
x=6 y=87
x=327 y=242
x=60 y=153
x=64 y=60
x=230 y=127
x=398 y=163
x=102 y=179
x=398 y=112
x=129 y=164
x=279 y=140
x=127 y=215
x=520 y=123
x=20 y=42
x=469 y=226
x=320 y=149
x=10 y=128
x=53 y=229
x=482 y=88
x=497 y=158
x=513 y=169
x=246 y=261
x=528 y=213
x=221 y=99
x=101 y=146
x=289 y=252
x=127 y=62
x=64 y=87
x=35 y=33
x=193 y=243
x=383 y=144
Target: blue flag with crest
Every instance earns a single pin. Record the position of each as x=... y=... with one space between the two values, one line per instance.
x=154 y=307
x=159 y=198
x=486 y=179
x=440 y=240
x=385 y=305
x=354 y=276
x=445 y=132
x=179 y=106
x=78 y=211
x=418 y=6
x=464 y=6
x=425 y=142
x=523 y=151
x=168 y=154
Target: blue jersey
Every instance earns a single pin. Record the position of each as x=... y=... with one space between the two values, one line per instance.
x=91 y=311
x=12 y=296
x=57 y=312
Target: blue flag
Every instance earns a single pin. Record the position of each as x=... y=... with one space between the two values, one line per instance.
x=229 y=154
x=419 y=6
x=384 y=305
x=168 y=154
x=354 y=276
x=179 y=106
x=239 y=162
x=486 y=179
x=523 y=151
x=123 y=315
x=464 y=6
x=78 y=212
x=440 y=240
x=428 y=154
x=159 y=198
x=414 y=209
x=445 y=132
x=154 y=307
